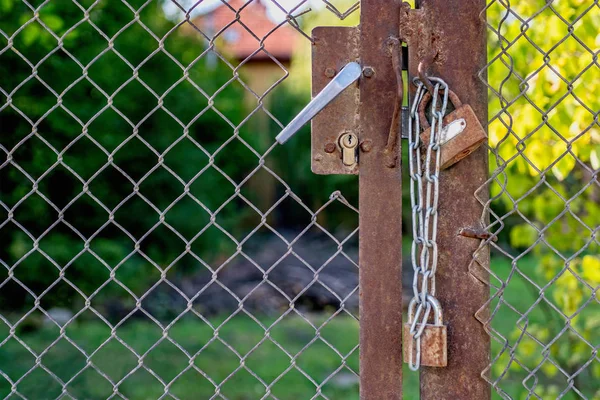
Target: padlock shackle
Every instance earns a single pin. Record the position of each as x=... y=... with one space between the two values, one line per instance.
x=425 y=101
x=438 y=317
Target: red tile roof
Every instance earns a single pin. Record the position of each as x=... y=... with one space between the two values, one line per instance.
x=238 y=42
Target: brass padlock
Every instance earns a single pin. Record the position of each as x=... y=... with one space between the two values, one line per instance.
x=434 y=346
x=462 y=132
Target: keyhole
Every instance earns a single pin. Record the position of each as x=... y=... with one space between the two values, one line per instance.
x=348 y=140
x=349 y=145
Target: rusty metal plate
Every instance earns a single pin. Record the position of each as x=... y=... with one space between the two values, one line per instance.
x=332 y=49
x=434 y=345
x=465 y=142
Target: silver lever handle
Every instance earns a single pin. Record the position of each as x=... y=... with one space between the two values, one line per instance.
x=347 y=76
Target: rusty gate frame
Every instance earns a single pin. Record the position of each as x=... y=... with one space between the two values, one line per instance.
x=460 y=39
x=380 y=205
x=451 y=35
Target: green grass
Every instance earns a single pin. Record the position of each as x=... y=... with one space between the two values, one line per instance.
x=522 y=295
x=214 y=358
x=220 y=363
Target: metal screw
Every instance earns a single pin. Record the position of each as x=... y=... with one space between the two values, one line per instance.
x=329 y=72
x=368 y=72
x=330 y=148
x=366 y=146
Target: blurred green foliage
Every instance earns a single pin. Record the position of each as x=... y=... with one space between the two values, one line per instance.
x=128 y=102
x=548 y=141
x=87 y=125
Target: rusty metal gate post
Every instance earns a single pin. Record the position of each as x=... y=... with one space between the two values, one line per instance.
x=358 y=132
x=380 y=202
x=458 y=39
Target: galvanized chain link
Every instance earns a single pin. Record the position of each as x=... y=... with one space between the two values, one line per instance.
x=424 y=196
x=540 y=201
x=41 y=361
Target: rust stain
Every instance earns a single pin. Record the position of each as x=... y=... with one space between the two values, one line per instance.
x=434 y=345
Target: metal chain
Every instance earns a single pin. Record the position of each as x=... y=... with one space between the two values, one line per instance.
x=424 y=195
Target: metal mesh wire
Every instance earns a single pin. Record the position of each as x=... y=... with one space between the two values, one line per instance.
x=544 y=206
x=173 y=337
x=543 y=76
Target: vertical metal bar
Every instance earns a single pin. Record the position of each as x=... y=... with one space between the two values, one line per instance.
x=459 y=37
x=380 y=201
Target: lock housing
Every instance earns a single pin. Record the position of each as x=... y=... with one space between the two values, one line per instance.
x=455 y=147
x=434 y=339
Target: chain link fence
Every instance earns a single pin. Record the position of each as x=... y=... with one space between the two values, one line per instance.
x=156 y=243
x=544 y=212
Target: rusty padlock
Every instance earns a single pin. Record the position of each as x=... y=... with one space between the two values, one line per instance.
x=434 y=345
x=462 y=132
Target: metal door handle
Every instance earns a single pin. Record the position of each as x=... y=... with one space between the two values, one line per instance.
x=347 y=76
